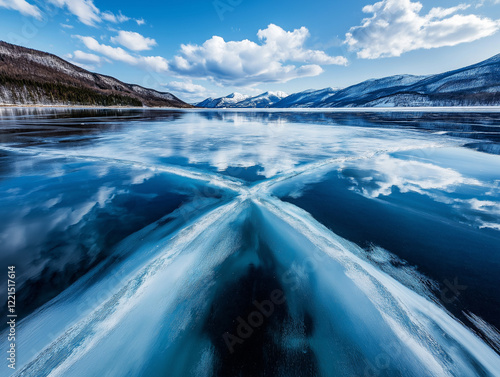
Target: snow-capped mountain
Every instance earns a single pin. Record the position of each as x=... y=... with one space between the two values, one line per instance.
x=358 y=94
x=478 y=84
x=241 y=101
x=475 y=85
x=31 y=77
x=307 y=98
x=263 y=100
x=227 y=101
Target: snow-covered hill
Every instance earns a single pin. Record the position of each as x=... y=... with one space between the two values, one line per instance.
x=31 y=77
x=370 y=89
x=307 y=98
x=266 y=99
x=263 y=100
x=475 y=85
x=227 y=101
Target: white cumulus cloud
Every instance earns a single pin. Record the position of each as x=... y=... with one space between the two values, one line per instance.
x=133 y=41
x=397 y=26
x=23 y=7
x=188 y=90
x=155 y=63
x=84 y=60
x=88 y=13
x=85 y=10
x=115 y=18
x=185 y=87
x=114 y=53
x=245 y=63
x=85 y=57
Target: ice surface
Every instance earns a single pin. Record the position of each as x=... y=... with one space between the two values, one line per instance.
x=162 y=301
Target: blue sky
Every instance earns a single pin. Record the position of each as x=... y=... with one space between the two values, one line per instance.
x=202 y=48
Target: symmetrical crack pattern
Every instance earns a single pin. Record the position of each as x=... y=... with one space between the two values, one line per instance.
x=252 y=287
x=236 y=280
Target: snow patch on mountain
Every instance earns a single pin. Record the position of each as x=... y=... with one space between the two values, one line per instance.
x=307 y=98
x=263 y=100
x=475 y=85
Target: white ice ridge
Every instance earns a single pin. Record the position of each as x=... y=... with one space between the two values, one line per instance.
x=155 y=311
x=411 y=332
x=164 y=294
x=214 y=179
x=357 y=310
x=326 y=164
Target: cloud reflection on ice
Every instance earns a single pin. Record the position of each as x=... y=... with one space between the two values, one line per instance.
x=239 y=141
x=474 y=197
x=117 y=196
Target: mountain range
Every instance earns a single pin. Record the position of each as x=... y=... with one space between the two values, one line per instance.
x=31 y=77
x=475 y=85
x=238 y=100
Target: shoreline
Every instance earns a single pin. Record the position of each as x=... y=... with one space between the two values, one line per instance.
x=436 y=109
x=3 y=106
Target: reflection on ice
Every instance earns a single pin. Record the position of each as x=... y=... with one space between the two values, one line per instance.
x=143 y=238
x=345 y=314
x=474 y=194
x=242 y=142
x=61 y=217
x=385 y=173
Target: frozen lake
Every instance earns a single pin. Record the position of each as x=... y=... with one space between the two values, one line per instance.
x=252 y=243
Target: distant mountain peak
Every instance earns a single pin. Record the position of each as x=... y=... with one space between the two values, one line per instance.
x=276 y=94
x=241 y=100
x=237 y=95
x=475 y=85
